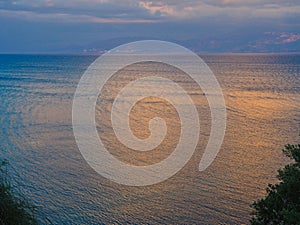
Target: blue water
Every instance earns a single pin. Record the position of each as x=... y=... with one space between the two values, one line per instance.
x=36 y=92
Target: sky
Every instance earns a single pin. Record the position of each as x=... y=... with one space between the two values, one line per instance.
x=93 y=26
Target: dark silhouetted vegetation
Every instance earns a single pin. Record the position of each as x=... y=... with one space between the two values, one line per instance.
x=282 y=203
x=14 y=208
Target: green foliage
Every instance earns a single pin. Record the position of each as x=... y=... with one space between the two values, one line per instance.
x=14 y=208
x=282 y=203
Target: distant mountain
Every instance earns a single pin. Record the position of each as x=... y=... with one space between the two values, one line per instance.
x=259 y=42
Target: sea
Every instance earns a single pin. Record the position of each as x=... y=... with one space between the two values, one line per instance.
x=262 y=96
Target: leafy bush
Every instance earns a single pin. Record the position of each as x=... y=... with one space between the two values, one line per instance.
x=282 y=203
x=14 y=208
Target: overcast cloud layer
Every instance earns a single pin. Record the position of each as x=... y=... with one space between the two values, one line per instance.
x=262 y=24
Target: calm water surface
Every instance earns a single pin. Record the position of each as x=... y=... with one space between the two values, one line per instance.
x=262 y=94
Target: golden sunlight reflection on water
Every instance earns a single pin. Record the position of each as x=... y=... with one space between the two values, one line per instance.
x=263 y=104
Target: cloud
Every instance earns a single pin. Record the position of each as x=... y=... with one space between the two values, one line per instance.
x=228 y=8
x=89 y=11
x=139 y=11
x=69 y=18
